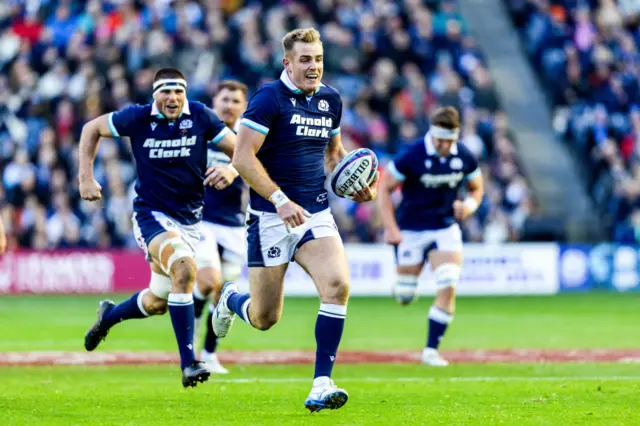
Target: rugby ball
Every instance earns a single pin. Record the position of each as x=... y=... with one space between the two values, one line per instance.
x=355 y=165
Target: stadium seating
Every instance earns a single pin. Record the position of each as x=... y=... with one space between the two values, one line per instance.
x=587 y=54
x=64 y=63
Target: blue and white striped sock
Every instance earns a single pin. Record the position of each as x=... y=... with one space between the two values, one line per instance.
x=329 y=327
x=182 y=315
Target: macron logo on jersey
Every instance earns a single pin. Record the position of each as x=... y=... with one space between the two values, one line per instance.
x=159 y=147
x=314 y=127
x=433 y=181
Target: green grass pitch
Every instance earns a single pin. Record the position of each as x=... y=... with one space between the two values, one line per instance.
x=389 y=394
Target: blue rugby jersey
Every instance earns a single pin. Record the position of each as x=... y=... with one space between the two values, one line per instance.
x=298 y=129
x=430 y=183
x=171 y=157
x=226 y=206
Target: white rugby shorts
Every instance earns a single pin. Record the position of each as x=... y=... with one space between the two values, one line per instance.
x=147 y=224
x=231 y=241
x=270 y=243
x=415 y=245
x=207 y=255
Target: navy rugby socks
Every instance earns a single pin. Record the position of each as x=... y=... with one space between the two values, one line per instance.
x=199 y=300
x=210 y=339
x=438 y=322
x=181 y=311
x=129 y=309
x=329 y=327
x=239 y=303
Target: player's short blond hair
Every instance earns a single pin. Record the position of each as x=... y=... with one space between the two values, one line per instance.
x=303 y=35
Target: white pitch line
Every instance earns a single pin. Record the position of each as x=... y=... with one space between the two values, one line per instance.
x=430 y=379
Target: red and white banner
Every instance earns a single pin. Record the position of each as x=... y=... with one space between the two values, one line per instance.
x=73 y=271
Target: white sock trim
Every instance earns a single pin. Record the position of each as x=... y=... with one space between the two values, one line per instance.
x=180 y=299
x=197 y=294
x=408 y=279
x=245 y=311
x=440 y=316
x=333 y=311
x=140 y=304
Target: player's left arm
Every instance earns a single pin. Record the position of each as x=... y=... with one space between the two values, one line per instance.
x=221 y=177
x=225 y=140
x=228 y=143
x=335 y=151
x=475 y=192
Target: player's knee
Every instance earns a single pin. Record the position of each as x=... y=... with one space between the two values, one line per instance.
x=335 y=291
x=157 y=307
x=265 y=320
x=206 y=281
x=173 y=253
x=183 y=274
x=447 y=276
x=406 y=288
x=154 y=305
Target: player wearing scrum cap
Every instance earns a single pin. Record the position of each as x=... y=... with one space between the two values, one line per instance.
x=424 y=227
x=169 y=139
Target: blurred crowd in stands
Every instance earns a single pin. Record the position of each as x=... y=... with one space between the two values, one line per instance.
x=586 y=51
x=63 y=63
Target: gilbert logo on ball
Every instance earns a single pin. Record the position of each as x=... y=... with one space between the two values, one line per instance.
x=358 y=164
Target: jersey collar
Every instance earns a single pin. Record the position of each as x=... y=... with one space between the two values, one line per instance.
x=431 y=149
x=156 y=112
x=284 y=77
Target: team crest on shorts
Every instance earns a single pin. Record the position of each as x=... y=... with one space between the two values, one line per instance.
x=323 y=105
x=274 y=252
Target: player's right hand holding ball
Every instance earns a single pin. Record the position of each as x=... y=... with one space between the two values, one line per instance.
x=90 y=190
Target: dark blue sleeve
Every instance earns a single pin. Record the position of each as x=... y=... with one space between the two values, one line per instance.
x=400 y=166
x=336 y=125
x=216 y=129
x=471 y=169
x=262 y=110
x=123 y=122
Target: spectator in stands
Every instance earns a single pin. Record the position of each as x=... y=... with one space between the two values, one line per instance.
x=590 y=60
x=64 y=63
